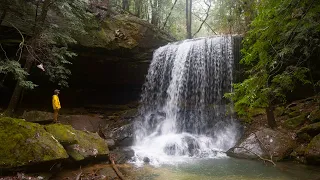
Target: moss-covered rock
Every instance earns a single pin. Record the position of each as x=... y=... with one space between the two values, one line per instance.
x=312 y=130
x=298 y=153
x=25 y=143
x=89 y=145
x=315 y=116
x=65 y=134
x=303 y=137
x=312 y=152
x=294 y=114
x=296 y=121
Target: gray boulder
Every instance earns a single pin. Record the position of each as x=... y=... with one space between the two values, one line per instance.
x=122 y=155
x=38 y=116
x=265 y=143
x=123 y=136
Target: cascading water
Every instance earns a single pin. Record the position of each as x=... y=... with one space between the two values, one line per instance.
x=184 y=114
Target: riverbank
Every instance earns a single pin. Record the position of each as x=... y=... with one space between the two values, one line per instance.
x=296 y=138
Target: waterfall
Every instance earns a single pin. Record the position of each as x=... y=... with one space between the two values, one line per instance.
x=184 y=113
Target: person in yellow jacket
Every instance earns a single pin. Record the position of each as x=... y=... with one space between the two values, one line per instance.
x=56 y=105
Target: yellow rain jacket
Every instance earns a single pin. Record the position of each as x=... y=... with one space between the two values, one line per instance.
x=55 y=102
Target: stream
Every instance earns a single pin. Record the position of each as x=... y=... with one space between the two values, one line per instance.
x=227 y=169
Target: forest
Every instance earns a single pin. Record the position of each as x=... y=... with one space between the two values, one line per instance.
x=41 y=42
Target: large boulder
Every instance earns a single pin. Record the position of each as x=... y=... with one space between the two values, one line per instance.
x=24 y=143
x=38 y=116
x=123 y=136
x=312 y=152
x=249 y=148
x=90 y=123
x=265 y=143
x=90 y=145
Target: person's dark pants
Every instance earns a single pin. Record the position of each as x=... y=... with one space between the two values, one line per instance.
x=55 y=115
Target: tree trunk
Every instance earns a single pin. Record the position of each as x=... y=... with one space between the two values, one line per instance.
x=270 y=117
x=137 y=7
x=188 y=18
x=15 y=98
x=4 y=13
x=125 y=5
x=155 y=12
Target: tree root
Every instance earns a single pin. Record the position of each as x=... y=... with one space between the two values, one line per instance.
x=260 y=157
x=120 y=175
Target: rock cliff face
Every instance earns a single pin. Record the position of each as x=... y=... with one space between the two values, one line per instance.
x=113 y=59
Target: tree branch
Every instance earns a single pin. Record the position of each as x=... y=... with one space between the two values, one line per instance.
x=165 y=23
x=260 y=157
x=205 y=19
x=205 y=23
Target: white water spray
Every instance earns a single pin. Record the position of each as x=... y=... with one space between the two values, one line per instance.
x=184 y=114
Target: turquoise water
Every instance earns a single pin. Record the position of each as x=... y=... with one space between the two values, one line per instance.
x=228 y=169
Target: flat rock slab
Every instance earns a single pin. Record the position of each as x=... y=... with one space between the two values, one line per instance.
x=41 y=117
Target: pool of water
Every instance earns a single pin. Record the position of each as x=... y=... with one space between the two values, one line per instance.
x=227 y=169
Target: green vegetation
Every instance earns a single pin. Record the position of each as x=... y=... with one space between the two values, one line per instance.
x=278 y=49
x=44 y=40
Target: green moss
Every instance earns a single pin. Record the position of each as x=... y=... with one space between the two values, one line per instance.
x=63 y=133
x=315 y=116
x=256 y=111
x=89 y=145
x=299 y=151
x=279 y=111
x=24 y=143
x=294 y=114
x=312 y=152
x=75 y=153
x=295 y=121
x=311 y=129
